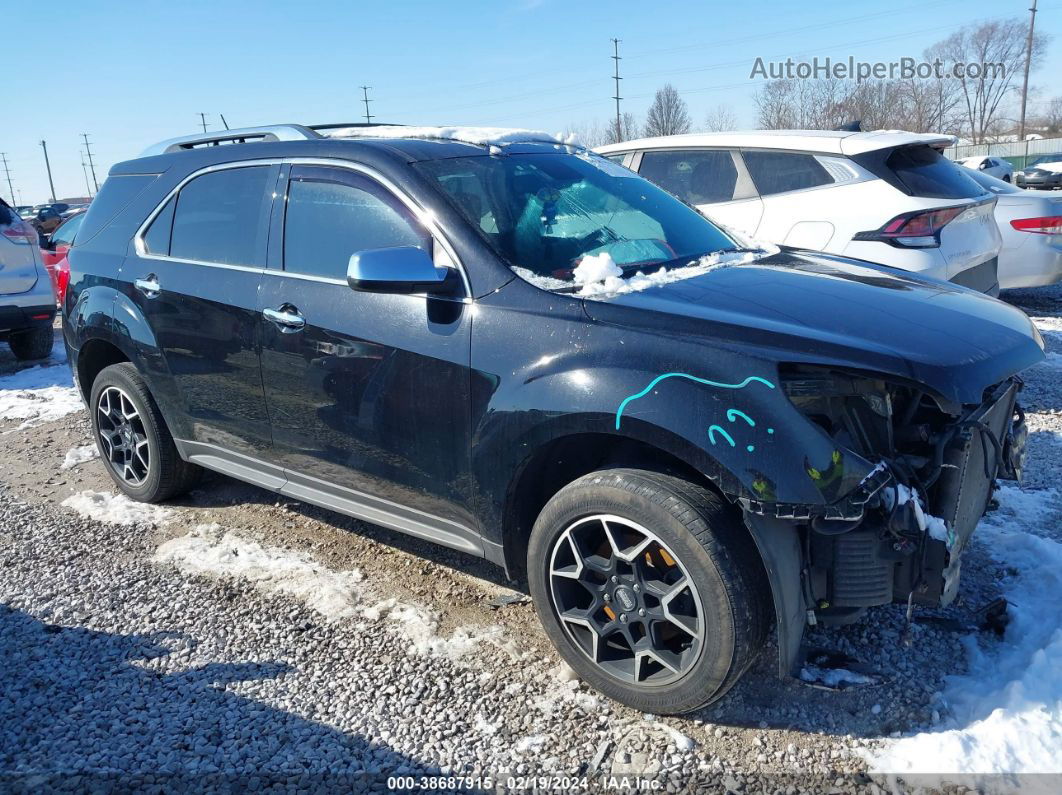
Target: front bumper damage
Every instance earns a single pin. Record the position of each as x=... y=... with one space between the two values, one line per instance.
x=899 y=536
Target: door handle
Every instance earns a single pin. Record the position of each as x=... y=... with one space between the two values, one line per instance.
x=149 y=286
x=287 y=317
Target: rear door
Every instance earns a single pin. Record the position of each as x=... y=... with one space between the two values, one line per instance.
x=195 y=278
x=18 y=252
x=712 y=180
x=368 y=393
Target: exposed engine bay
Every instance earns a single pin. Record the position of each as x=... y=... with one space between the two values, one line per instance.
x=936 y=470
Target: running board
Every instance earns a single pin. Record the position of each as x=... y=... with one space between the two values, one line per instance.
x=356 y=504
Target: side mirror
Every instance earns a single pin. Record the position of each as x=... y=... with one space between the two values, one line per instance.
x=404 y=269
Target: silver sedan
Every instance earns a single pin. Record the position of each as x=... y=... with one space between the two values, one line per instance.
x=1030 y=224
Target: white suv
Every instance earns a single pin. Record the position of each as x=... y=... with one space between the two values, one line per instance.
x=886 y=197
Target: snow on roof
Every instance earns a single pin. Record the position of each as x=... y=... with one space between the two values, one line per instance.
x=480 y=136
x=825 y=141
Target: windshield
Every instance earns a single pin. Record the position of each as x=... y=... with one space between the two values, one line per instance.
x=546 y=212
x=1057 y=158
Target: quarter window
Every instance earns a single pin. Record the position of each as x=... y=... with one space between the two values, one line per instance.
x=331 y=216
x=157 y=237
x=778 y=172
x=695 y=177
x=217 y=217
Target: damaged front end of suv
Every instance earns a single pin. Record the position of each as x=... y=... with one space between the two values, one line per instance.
x=899 y=536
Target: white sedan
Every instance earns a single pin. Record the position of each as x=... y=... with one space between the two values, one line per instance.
x=1031 y=227
x=992 y=166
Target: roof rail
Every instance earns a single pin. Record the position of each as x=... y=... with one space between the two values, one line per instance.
x=319 y=127
x=274 y=132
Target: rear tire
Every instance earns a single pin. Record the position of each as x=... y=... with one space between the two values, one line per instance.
x=665 y=647
x=35 y=343
x=134 y=443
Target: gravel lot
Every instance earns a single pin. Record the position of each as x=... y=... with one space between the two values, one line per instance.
x=235 y=640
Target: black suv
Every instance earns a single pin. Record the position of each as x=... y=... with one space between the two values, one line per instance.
x=516 y=348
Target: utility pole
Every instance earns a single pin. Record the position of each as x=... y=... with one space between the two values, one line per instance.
x=84 y=170
x=619 y=120
x=222 y=115
x=202 y=120
x=47 y=165
x=365 y=98
x=7 y=173
x=92 y=166
x=1028 y=59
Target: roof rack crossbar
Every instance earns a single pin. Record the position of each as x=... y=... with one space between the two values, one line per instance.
x=274 y=132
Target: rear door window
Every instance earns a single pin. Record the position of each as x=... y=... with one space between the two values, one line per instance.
x=696 y=177
x=926 y=172
x=219 y=216
x=332 y=214
x=779 y=172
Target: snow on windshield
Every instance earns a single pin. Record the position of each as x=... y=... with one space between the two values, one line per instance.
x=599 y=277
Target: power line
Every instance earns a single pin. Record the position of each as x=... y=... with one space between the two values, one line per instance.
x=92 y=166
x=7 y=172
x=365 y=94
x=616 y=58
x=48 y=165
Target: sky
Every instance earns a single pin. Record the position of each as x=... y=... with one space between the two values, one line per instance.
x=133 y=72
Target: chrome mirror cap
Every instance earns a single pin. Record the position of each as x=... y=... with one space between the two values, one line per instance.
x=403 y=269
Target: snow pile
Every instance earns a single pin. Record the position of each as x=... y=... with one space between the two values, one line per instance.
x=927 y=523
x=79 y=455
x=481 y=136
x=598 y=276
x=210 y=551
x=115 y=508
x=834 y=678
x=38 y=395
x=421 y=626
x=598 y=273
x=1049 y=324
x=1007 y=710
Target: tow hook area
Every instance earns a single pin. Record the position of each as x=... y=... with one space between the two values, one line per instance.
x=1014 y=447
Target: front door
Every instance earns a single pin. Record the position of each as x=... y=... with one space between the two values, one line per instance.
x=196 y=282
x=368 y=393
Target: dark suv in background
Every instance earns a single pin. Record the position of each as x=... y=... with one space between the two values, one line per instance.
x=523 y=351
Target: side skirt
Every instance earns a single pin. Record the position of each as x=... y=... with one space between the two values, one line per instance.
x=340 y=499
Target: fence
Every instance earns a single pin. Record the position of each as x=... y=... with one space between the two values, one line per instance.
x=1017 y=152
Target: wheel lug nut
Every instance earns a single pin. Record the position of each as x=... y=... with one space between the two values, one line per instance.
x=623 y=618
x=637 y=587
x=641 y=611
x=615 y=578
x=608 y=598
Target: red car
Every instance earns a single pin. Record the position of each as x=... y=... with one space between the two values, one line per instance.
x=54 y=252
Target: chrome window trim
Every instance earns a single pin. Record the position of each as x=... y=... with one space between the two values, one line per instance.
x=422 y=214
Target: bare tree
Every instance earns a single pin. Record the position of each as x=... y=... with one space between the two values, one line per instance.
x=1051 y=118
x=997 y=48
x=628 y=129
x=668 y=115
x=721 y=119
x=589 y=134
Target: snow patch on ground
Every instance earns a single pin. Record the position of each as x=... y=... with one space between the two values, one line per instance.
x=210 y=551
x=473 y=135
x=421 y=627
x=1049 y=324
x=1007 y=710
x=1052 y=360
x=833 y=677
x=115 y=508
x=38 y=395
x=79 y=455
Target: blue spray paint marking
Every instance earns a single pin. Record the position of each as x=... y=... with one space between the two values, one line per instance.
x=705 y=381
x=714 y=429
x=731 y=413
x=750 y=448
x=770 y=430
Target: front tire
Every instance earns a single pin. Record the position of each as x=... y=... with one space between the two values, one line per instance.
x=35 y=343
x=650 y=587
x=134 y=442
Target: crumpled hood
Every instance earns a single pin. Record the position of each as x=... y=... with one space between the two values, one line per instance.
x=802 y=306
